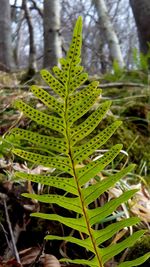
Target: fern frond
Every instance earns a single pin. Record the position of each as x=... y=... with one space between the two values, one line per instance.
x=71 y=148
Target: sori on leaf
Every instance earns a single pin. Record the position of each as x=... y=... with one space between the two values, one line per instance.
x=69 y=150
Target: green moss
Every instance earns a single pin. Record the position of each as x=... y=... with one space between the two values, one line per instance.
x=134 y=135
x=141 y=247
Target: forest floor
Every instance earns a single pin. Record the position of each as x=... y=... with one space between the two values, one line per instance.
x=130 y=95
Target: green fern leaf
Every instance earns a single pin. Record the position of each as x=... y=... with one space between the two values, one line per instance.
x=84 y=174
x=41 y=118
x=60 y=75
x=135 y=262
x=77 y=224
x=74 y=51
x=52 y=143
x=76 y=70
x=98 y=214
x=85 y=128
x=82 y=261
x=54 y=84
x=67 y=184
x=84 y=151
x=81 y=108
x=115 y=249
x=82 y=95
x=61 y=163
x=78 y=81
x=48 y=100
x=69 y=104
x=100 y=236
x=104 y=234
x=73 y=203
x=85 y=243
x=94 y=191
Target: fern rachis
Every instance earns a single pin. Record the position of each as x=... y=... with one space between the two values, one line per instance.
x=70 y=106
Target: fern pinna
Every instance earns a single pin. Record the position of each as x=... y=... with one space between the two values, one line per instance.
x=68 y=156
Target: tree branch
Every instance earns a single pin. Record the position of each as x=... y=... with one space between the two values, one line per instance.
x=103 y=85
x=16 y=254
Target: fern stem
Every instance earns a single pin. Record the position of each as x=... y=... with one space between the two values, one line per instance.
x=80 y=193
x=86 y=217
x=74 y=172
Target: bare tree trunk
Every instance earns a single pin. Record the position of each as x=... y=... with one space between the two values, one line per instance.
x=32 y=51
x=109 y=33
x=141 y=12
x=19 y=34
x=6 y=60
x=52 y=37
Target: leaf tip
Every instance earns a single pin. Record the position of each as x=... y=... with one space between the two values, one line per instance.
x=43 y=72
x=33 y=87
x=119 y=146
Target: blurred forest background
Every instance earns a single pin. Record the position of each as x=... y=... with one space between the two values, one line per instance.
x=34 y=34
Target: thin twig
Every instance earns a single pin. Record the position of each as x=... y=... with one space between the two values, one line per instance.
x=39 y=254
x=15 y=251
x=5 y=233
x=102 y=85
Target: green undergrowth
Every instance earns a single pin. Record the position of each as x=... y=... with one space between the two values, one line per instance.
x=135 y=143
